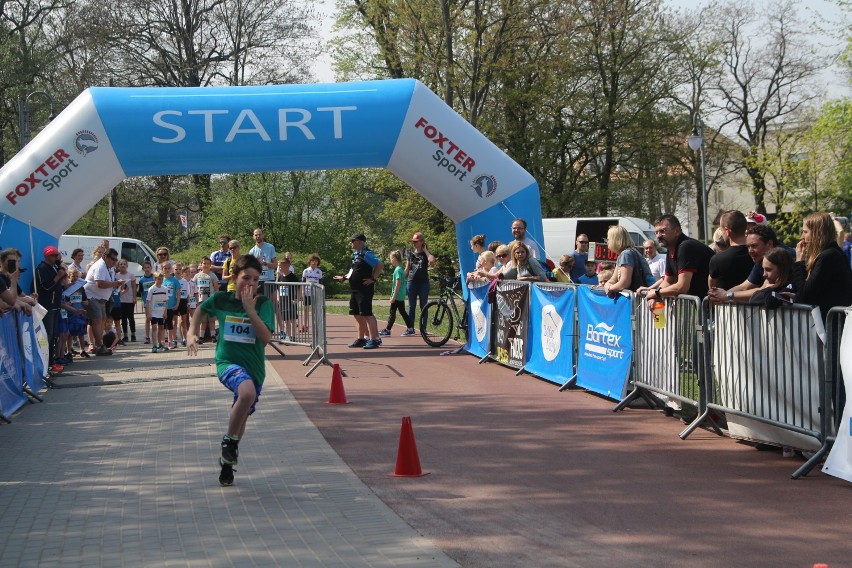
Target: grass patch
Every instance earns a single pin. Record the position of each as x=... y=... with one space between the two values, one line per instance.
x=381 y=311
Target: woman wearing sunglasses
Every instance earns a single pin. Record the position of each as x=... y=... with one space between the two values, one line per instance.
x=162 y=259
x=227 y=271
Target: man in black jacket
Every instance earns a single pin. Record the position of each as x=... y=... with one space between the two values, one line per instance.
x=49 y=277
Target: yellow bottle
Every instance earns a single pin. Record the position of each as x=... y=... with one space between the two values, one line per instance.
x=659 y=315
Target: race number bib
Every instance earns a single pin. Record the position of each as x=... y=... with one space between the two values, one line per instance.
x=76 y=299
x=159 y=304
x=191 y=303
x=184 y=293
x=63 y=313
x=239 y=330
x=283 y=291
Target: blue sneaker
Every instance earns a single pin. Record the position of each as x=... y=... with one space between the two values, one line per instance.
x=360 y=342
x=384 y=332
x=373 y=344
x=409 y=332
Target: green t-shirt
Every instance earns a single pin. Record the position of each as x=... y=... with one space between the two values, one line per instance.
x=237 y=343
x=399 y=276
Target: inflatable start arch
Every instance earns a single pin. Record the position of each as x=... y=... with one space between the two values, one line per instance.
x=109 y=134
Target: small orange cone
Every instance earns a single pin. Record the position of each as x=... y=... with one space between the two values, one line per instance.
x=337 y=395
x=407 y=460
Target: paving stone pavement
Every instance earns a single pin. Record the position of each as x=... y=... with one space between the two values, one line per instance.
x=117 y=467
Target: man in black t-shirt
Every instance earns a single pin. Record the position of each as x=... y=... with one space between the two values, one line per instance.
x=734 y=264
x=687 y=264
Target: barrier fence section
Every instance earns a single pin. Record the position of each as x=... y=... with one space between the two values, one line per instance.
x=768 y=374
x=510 y=324
x=838 y=383
x=534 y=328
x=478 y=322
x=605 y=340
x=21 y=376
x=670 y=357
x=300 y=318
x=553 y=336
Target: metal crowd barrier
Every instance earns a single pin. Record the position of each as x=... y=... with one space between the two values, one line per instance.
x=834 y=396
x=21 y=377
x=768 y=368
x=300 y=318
x=509 y=329
x=670 y=361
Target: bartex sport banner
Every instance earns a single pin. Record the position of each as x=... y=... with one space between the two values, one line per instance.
x=552 y=338
x=510 y=323
x=108 y=134
x=605 y=342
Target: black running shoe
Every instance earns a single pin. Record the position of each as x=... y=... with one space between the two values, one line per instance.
x=226 y=477
x=230 y=450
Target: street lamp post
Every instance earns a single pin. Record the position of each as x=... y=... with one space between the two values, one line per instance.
x=696 y=142
x=24 y=115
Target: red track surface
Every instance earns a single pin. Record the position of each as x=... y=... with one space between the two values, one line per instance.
x=523 y=475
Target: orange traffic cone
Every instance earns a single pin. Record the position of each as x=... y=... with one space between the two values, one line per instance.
x=337 y=395
x=407 y=460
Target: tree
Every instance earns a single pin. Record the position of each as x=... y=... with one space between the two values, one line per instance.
x=762 y=85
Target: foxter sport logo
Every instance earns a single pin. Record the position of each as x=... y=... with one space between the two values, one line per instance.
x=484 y=185
x=86 y=142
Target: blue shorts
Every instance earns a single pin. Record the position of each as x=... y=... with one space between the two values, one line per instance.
x=233 y=377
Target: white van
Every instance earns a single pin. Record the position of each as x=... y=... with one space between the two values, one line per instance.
x=560 y=235
x=133 y=251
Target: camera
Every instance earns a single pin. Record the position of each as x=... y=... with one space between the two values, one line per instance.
x=11 y=265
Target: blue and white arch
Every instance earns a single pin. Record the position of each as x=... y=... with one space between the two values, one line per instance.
x=109 y=134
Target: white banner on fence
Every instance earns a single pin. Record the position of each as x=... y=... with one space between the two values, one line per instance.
x=772 y=346
x=839 y=462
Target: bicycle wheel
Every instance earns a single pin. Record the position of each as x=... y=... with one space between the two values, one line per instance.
x=436 y=323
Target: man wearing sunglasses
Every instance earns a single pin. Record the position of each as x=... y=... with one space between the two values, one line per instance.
x=218 y=258
x=100 y=282
x=581 y=255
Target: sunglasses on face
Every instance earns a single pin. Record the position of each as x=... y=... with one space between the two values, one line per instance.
x=583 y=242
x=502 y=255
x=162 y=254
x=233 y=248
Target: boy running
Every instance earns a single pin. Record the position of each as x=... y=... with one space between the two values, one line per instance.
x=246 y=322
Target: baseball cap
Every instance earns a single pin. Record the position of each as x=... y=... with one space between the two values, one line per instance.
x=49 y=250
x=358 y=237
x=417 y=236
x=756 y=218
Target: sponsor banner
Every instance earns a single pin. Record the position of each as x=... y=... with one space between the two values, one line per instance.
x=839 y=462
x=478 y=328
x=185 y=130
x=466 y=172
x=605 y=342
x=510 y=321
x=11 y=382
x=552 y=338
x=58 y=176
x=34 y=361
x=771 y=385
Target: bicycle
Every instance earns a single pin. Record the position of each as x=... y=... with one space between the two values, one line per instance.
x=439 y=317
